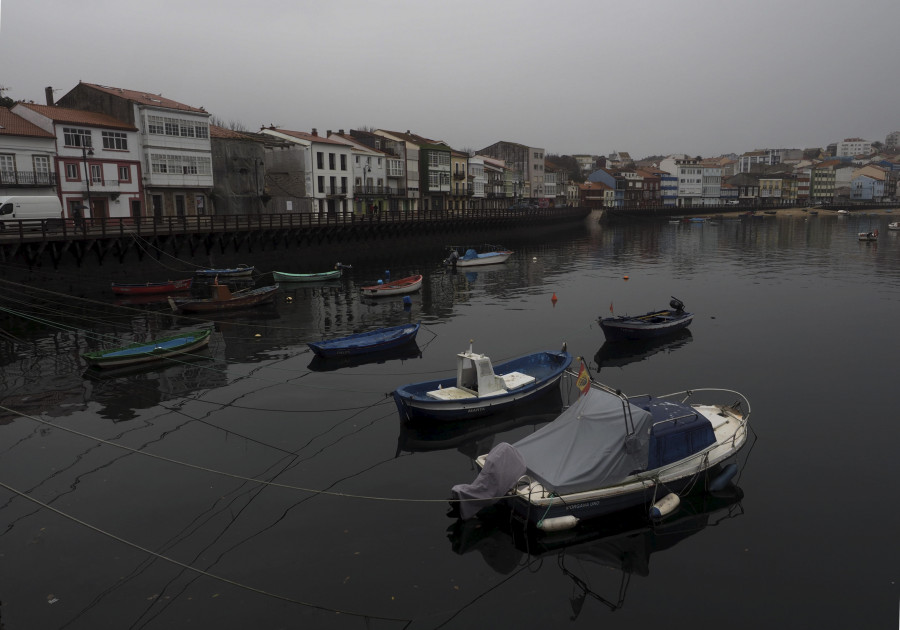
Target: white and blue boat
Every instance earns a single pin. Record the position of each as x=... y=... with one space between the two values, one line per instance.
x=608 y=452
x=480 y=389
x=471 y=257
x=368 y=342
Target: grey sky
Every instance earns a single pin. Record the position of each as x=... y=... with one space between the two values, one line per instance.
x=580 y=76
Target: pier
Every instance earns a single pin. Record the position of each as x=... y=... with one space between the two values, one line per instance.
x=106 y=242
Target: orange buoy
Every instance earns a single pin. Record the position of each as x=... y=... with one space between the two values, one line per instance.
x=625 y=278
x=553 y=299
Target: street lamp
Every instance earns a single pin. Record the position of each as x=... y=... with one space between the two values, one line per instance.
x=367 y=168
x=85 y=152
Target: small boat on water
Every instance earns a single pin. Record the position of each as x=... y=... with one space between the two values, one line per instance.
x=241 y=271
x=147 y=351
x=224 y=300
x=652 y=324
x=480 y=389
x=152 y=288
x=868 y=236
x=366 y=342
x=843 y=211
x=471 y=258
x=410 y=284
x=608 y=452
x=894 y=225
x=334 y=274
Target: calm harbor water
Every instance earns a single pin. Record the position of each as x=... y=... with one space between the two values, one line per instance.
x=259 y=488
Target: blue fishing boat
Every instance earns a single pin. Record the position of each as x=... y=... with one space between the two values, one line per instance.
x=471 y=257
x=366 y=342
x=648 y=325
x=480 y=389
x=147 y=351
x=241 y=271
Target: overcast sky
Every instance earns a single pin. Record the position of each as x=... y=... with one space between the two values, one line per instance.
x=581 y=76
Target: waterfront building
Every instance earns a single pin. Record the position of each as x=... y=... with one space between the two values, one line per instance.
x=239 y=172
x=822 y=181
x=527 y=164
x=747 y=186
x=327 y=174
x=689 y=173
x=596 y=195
x=711 y=184
x=174 y=145
x=651 y=190
x=585 y=162
x=372 y=189
x=27 y=157
x=97 y=160
x=460 y=191
x=477 y=181
x=402 y=174
x=497 y=179
x=867 y=184
x=892 y=140
x=416 y=177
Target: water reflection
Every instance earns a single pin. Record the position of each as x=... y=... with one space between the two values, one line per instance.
x=619 y=354
x=585 y=554
x=402 y=353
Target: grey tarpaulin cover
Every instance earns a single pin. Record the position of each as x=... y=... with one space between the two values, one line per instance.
x=502 y=468
x=588 y=445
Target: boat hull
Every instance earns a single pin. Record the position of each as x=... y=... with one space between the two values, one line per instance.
x=366 y=343
x=282 y=276
x=489 y=258
x=536 y=504
x=546 y=367
x=231 y=272
x=245 y=299
x=155 y=350
x=395 y=287
x=152 y=288
x=644 y=326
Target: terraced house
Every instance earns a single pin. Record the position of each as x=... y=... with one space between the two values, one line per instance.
x=175 y=149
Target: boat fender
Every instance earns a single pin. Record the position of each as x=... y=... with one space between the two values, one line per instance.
x=407 y=299
x=558 y=523
x=728 y=472
x=665 y=506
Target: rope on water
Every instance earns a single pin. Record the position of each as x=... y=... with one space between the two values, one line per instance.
x=188 y=567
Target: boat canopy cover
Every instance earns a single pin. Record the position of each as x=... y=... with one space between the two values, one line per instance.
x=502 y=468
x=470 y=254
x=588 y=446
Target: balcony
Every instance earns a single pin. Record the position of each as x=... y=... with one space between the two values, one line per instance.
x=334 y=191
x=108 y=185
x=27 y=179
x=459 y=176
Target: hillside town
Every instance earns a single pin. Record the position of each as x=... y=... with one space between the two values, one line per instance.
x=109 y=152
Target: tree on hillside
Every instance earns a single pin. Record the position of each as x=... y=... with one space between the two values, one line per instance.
x=568 y=164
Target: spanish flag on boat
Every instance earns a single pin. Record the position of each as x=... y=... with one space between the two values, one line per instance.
x=583 y=382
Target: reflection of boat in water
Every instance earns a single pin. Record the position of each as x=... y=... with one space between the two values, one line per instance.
x=469 y=436
x=407 y=351
x=586 y=554
x=621 y=354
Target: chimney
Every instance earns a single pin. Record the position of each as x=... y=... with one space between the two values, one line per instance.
x=341 y=132
x=48 y=94
x=315 y=132
x=328 y=133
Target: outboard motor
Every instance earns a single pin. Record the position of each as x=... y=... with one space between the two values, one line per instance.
x=676 y=304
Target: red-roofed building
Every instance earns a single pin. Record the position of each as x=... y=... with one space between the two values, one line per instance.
x=174 y=145
x=26 y=157
x=97 y=160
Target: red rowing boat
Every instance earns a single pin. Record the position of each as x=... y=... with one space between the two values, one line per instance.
x=396 y=287
x=152 y=288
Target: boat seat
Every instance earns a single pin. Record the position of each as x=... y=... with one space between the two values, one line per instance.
x=460 y=393
x=514 y=380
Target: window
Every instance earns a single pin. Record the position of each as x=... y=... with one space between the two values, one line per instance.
x=321 y=182
x=41 y=167
x=320 y=159
x=77 y=137
x=343 y=162
x=73 y=173
x=115 y=141
x=331 y=161
x=96 y=173
x=7 y=168
x=124 y=173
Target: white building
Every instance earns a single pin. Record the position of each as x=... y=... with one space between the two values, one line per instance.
x=370 y=175
x=478 y=181
x=176 y=154
x=27 y=157
x=853 y=146
x=97 y=163
x=329 y=170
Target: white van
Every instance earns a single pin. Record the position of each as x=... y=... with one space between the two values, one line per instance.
x=32 y=211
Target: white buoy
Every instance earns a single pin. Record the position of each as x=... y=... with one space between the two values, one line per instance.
x=665 y=506
x=558 y=523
